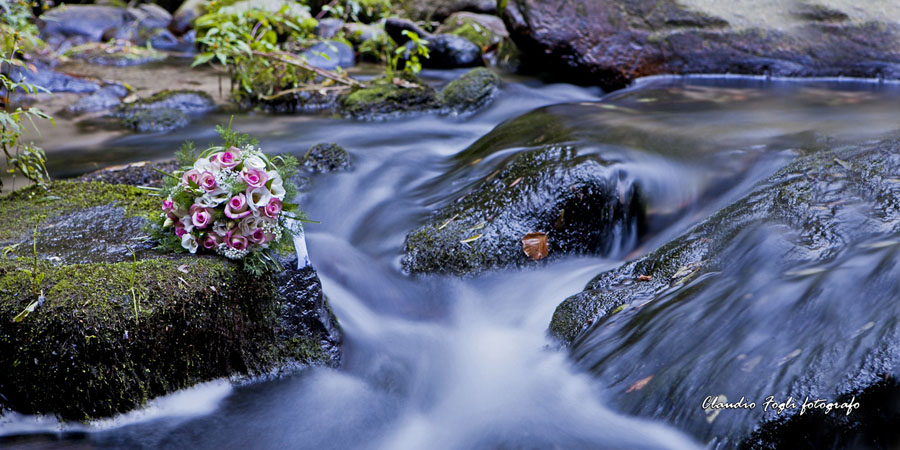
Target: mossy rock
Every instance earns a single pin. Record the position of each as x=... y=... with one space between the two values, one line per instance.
x=115 y=55
x=385 y=99
x=575 y=199
x=164 y=111
x=483 y=30
x=119 y=323
x=471 y=92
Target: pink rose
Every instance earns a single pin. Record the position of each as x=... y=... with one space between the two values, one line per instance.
x=258 y=236
x=273 y=209
x=236 y=241
x=168 y=204
x=208 y=181
x=227 y=159
x=237 y=207
x=210 y=241
x=191 y=177
x=254 y=178
x=201 y=218
x=179 y=229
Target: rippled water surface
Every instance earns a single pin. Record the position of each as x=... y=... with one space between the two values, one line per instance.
x=440 y=362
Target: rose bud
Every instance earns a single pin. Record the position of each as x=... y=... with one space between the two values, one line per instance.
x=273 y=209
x=179 y=229
x=168 y=204
x=237 y=207
x=210 y=242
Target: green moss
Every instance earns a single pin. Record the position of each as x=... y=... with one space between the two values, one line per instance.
x=30 y=206
x=383 y=97
x=472 y=91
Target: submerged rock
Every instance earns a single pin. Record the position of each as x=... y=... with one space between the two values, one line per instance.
x=114 y=329
x=165 y=110
x=787 y=292
x=471 y=92
x=579 y=201
x=610 y=43
x=324 y=158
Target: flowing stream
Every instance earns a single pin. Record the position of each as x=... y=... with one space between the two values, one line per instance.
x=460 y=363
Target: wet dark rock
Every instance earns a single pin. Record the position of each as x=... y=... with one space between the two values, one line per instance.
x=85 y=352
x=471 y=92
x=135 y=174
x=105 y=98
x=448 y=51
x=395 y=27
x=165 y=110
x=324 y=158
x=438 y=10
x=579 y=201
x=52 y=80
x=330 y=55
x=738 y=306
x=88 y=21
x=610 y=43
x=183 y=18
x=384 y=99
x=328 y=28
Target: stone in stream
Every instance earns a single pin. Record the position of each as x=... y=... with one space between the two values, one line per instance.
x=107 y=97
x=382 y=99
x=51 y=80
x=788 y=292
x=84 y=352
x=483 y=30
x=612 y=42
x=165 y=110
x=115 y=54
x=326 y=157
x=471 y=92
x=580 y=201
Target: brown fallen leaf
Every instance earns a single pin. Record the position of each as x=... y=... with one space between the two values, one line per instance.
x=639 y=384
x=645 y=278
x=517 y=180
x=535 y=245
x=183 y=268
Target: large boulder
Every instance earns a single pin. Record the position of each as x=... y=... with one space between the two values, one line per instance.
x=611 y=42
x=113 y=323
x=438 y=10
x=87 y=21
x=385 y=98
x=789 y=292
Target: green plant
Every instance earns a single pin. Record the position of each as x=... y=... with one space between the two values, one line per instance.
x=21 y=158
x=410 y=54
x=37 y=278
x=357 y=10
x=16 y=17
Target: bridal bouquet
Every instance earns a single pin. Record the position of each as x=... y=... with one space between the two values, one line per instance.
x=230 y=200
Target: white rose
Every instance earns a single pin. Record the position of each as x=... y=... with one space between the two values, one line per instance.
x=254 y=162
x=277 y=186
x=258 y=198
x=212 y=198
x=220 y=228
x=249 y=224
x=189 y=243
x=188 y=224
x=203 y=164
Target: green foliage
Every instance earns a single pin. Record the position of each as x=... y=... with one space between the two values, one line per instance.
x=17 y=29
x=236 y=38
x=358 y=10
x=21 y=158
x=410 y=53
